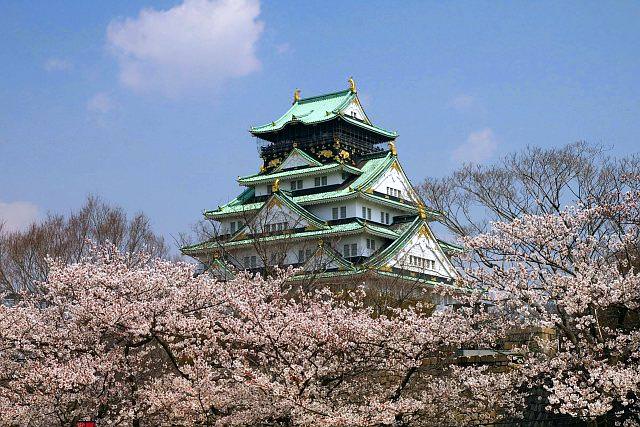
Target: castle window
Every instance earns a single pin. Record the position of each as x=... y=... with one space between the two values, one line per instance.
x=343 y=211
x=366 y=213
x=296 y=184
x=350 y=250
x=334 y=213
x=320 y=181
x=371 y=244
x=394 y=192
x=422 y=263
x=233 y=226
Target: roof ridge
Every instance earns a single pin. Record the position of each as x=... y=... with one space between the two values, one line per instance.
x=323 y=96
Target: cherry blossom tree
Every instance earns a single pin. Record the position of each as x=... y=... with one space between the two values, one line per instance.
x=575 y=271
x=149 y=343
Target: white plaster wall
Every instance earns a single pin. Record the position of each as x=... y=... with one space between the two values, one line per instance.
x=375 y=211
x=423 y=247
x=225 y=225
x=325 y=211
x=354 y=109
x=262 y=189
x=294 y=161
x=307 y=182
x=394 y=179
x=276 y=214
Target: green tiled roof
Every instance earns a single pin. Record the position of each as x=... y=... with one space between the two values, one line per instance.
x=319 y=109
x=291 y=204
x=382 y=256
x=372 y=169
x=261 y=178
x=368 y=173
x=353 y=227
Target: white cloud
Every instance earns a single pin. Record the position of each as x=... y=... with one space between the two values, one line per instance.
x=100 y=103
x=57 y=64
x=197 y=44
x=17 y=216
x=480 y=146
x=462 y=102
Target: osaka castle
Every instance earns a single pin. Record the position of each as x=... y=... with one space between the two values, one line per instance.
x=330 y=199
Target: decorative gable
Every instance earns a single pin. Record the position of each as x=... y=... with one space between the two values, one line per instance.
x=297 y=158
x=354 y=109
x=395 y=183
x=422 y=253
x=278 y=214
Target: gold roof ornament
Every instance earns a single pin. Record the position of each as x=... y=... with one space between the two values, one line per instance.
x=352 y=85
x=422 y=211
x=296 y=95
x=275 y=187
x=392 y=148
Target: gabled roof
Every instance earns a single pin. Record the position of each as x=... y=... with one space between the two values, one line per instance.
x=394 y=247
x=319 y=109
x=262 y=178
x=291 y=204
x=380 y=259
x=280 y=198
x=369 y=171
x=298 y=152
x=349 y=228
x=372 y=170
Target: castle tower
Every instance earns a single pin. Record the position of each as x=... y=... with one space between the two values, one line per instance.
x=330 y=198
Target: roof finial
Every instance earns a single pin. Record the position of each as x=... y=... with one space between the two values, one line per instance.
x=296 y=95
x=392 y=148
x=352 y=85
x=422 y=211
x=275 y=187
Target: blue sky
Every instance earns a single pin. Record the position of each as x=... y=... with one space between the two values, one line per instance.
x=148 y=103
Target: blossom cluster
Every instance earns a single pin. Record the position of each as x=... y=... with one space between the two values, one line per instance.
x=153 y=344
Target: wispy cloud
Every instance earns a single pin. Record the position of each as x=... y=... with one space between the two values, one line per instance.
x=194 y=45
x=17 y=216
x=101 y=103
x=463 y=102
x=479 y=146
x=57 y=64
